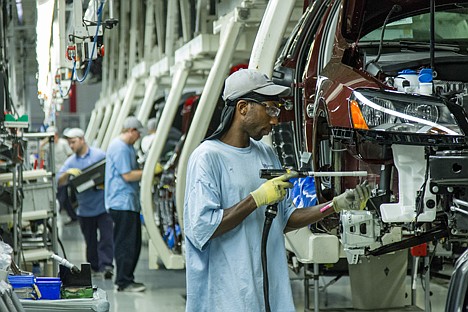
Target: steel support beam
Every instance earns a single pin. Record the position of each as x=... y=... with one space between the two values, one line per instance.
x=269 y=38
x=270 y=35
x=94 y=123
x=127 y=102
x=109 y=131
x=91 y=124
x=171 y=30
x=186 y=18
x=104 y=124
x=149 y=30
x=170 y=260
x=133 y=48
x=147 y=103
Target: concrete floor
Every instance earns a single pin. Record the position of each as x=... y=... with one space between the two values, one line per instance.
x=166 y=288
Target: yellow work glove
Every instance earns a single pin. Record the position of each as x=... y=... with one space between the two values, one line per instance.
x=158 y=169
x=354 y=199
x=74 y=171
x=274 y=190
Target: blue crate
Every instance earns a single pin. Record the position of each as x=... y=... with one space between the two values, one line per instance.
x=49 y=287
x=20 y=281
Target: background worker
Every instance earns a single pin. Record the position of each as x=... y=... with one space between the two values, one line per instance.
x=173 y=138
x=223 y=226
x=149 y=137
x=61 y=152
x=122 y=193
x=91 y=211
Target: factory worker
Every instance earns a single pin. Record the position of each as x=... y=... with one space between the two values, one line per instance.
x=225 y=202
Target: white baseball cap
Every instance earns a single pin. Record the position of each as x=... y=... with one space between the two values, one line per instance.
x=245 y=81
x=73 y=133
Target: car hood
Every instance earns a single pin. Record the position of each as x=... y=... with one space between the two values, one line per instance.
x=363 y=16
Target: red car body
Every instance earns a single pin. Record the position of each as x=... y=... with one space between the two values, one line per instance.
x=350 y=64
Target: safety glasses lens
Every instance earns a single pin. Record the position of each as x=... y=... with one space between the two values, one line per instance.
x=272 y=110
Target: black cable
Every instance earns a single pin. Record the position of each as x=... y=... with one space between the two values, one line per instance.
x=270 y=214
x=420 y=207
x=58 y=240
x=395 y=9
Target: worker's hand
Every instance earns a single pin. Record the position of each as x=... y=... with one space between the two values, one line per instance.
x=74 y=171
x=274 y=190
x=354 y=199
x=158 y=169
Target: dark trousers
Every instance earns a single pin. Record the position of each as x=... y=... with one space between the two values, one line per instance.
x=64 y=201
x=127 y=238
x=99 y=253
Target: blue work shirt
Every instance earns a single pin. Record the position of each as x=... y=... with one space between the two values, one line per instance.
x=120 y=194
x=91 y=201
x=225 y=273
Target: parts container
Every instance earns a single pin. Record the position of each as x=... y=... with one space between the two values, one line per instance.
x=49 y=287
x=21 y=281
x=22 y=285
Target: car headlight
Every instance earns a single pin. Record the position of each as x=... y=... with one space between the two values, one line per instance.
x=390 y=111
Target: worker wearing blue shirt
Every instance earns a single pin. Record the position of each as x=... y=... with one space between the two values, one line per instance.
x=91 y=211
x=223 y=225
x=122 y=193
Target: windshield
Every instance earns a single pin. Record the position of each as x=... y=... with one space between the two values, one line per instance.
x=451 y=27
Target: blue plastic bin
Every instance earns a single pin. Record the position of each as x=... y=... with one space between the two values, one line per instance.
x=49 y=287
x=22 y=285
x=20 y=281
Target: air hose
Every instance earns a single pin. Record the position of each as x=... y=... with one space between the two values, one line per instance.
x=270 y=214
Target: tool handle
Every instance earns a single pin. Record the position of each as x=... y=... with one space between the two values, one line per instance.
x=274 y=173
x=326 y=207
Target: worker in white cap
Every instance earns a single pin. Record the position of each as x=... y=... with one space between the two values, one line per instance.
x=94 y=220
x=223 y=222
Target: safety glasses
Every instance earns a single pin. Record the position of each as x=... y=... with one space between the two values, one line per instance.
x=272 y=111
